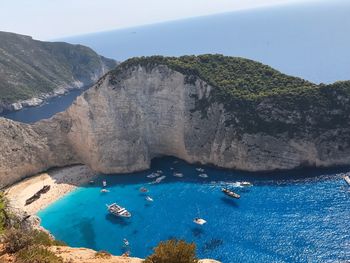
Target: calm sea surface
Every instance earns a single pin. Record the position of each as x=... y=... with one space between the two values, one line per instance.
x=301 y=216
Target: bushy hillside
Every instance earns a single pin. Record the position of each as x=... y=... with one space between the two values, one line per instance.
x=29 y=67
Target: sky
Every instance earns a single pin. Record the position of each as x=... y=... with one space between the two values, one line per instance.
x=50 y=19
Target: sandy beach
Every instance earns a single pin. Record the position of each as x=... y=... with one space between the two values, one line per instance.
x=61 y=181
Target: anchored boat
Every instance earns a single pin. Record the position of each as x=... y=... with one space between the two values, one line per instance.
x=347 y=179
x=178 y=174
x=230 y=193
x=199 y=221
x=244 y=183
x=117 y=210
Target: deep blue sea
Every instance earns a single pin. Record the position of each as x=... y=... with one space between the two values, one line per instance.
x=44 y=111
x=309 y=40
x=300 y=216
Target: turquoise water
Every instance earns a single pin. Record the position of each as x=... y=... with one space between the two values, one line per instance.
x=300 y=216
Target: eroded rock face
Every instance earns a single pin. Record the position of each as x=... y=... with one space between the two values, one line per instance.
x=123 y=122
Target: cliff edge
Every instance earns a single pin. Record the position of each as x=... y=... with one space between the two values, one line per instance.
x=229 y=112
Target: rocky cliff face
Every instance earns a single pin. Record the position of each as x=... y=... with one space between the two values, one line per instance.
x=32 y=71
x=130 y=117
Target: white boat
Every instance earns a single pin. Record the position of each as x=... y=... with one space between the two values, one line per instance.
x=153 y=175
x=104 y=191
x=159 y=179
x=203 y=175
x=199 y=221
x=171 y=168
x=347 y=179
x=244 y=183
x=126 y=242
x=117 y=210
x=104 y=183
x=200 y=170
x=149 y=199
x=178 y=174
x=159 y=171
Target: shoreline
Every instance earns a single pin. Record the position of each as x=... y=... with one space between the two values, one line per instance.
x=61 y=180
x=38 y=100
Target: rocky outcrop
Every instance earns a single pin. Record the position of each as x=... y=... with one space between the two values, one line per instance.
x=134 y=115
x=32 y=71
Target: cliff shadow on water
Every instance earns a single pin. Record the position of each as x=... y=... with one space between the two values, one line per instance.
x=169 y=165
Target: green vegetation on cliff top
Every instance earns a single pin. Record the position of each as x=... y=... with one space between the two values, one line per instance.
x=232 y=76
x=29 y=67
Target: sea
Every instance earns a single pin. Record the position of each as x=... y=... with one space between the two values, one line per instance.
x=298 y=216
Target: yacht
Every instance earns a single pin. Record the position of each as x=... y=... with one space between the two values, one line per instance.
x=244 y=183
x=117 y=210
x=199 y=221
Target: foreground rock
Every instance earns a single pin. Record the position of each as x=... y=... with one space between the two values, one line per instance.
x=152 y=107
x=79 y=255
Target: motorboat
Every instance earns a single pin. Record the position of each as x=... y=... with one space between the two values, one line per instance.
x=347 y=179
x=104 y=191
x=230 y=193
x=178 y=174
x=104 y=183
x=117 y=210
x=200 y=170
x=149 y=199
x=126 y=242
x=159 y=179
x=153 y=175
x=203 y=175
x=246 y=184
x=199 y=221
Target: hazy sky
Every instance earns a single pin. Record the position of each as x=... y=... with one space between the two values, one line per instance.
x=48 y=19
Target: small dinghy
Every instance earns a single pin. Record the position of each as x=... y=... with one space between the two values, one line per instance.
x=347 y=179
x=199 y=221
x=104 y=191
x=149 y=199
x=143 y=190
x=117 y=210
x=200 y=170
x=178 y=174
x=203 y=175
x=230 y=193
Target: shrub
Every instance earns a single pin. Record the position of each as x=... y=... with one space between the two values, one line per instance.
x=37 y=254
x=102 y=254
x=173 y=251
x=16 y=239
